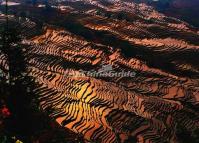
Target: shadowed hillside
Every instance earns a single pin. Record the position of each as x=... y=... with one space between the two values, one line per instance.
x=183 y=9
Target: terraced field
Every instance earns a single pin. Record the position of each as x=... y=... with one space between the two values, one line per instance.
x=158 y=104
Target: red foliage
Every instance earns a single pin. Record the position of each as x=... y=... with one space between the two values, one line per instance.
x=5 y=112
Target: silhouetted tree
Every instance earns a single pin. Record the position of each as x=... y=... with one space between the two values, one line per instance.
x=15 y=91
x=34 y=2
x=47 y=5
